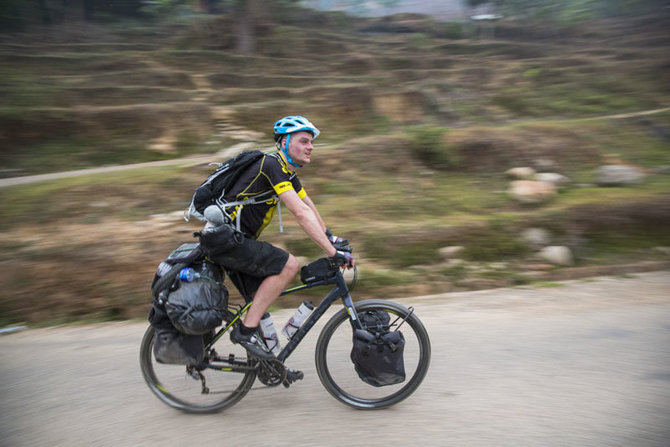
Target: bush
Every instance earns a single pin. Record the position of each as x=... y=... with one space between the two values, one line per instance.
x=429 y=145
x=454 y=30
x=492 y=243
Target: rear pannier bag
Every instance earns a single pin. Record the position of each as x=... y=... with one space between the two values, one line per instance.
x=377 y=353
x=171 y=346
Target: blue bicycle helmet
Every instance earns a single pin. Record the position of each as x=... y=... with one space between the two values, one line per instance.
x=292 y=124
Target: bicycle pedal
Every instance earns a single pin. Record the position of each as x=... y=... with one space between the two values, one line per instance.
x=292 y=375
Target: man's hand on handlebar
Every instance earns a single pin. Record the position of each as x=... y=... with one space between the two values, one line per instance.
x=339 y=243
x=344 y=258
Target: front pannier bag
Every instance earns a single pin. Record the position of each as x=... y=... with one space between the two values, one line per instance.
x=377 y=353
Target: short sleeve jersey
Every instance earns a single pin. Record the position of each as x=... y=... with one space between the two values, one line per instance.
x=265 y=179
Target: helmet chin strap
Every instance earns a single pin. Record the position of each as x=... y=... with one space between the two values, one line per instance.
x=284 y=149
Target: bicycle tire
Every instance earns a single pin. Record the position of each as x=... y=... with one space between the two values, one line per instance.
x=182 y=393
x=336 y=370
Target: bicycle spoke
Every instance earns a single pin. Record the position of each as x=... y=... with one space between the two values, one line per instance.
x=194 y=389
x=337 y=371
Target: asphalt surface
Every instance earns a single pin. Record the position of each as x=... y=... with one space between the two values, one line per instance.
x=583 y=364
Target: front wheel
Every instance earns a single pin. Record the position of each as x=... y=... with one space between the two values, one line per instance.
x=336 y=370
x=220 y=382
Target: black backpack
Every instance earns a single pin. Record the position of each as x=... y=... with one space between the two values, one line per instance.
x=377 y=353
x=212 y=190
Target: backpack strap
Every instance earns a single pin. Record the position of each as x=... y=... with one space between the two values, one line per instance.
x=240 y=204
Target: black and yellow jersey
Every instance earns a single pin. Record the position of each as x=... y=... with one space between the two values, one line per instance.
x=266 y=178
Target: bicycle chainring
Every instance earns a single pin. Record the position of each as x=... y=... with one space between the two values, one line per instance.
x=271 y=372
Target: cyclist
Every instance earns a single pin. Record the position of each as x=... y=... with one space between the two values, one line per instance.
x=258 y=269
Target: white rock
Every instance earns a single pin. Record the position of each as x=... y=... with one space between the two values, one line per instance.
x=545 y=165
x=451 y=252
x=536 y=237
x=615 y=175
x=552 y=177
x=530 y=191
x=451 y=263
x=497 y=266
x=520 y=172
x=557 y=255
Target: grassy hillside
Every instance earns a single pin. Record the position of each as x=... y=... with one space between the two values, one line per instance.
x=420 y=120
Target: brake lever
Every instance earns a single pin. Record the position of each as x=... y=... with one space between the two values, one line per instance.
x=343 y=246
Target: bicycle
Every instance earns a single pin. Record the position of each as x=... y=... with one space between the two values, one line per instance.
x=227 y=373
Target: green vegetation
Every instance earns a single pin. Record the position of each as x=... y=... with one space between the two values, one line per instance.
x=420 y=121
x=547 y=284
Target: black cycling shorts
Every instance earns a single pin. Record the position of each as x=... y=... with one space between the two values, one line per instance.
x=247 y=261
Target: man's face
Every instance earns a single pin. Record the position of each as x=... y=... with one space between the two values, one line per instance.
x=300 y=147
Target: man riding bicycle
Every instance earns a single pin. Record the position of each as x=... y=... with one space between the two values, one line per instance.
x=259 y=270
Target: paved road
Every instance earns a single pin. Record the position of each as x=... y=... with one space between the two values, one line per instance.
x=584 y=364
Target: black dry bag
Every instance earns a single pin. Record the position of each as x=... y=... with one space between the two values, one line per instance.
x=377 y=353
x=197 y=307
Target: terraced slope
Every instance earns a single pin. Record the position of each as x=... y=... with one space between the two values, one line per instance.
x=127 y=95
x=420 y=121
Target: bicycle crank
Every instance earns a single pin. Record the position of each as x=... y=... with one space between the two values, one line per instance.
x=271 y=372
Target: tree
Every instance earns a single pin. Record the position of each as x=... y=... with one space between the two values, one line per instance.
x=246 y=26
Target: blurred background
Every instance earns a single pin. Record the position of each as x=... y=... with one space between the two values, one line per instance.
x=465 y=144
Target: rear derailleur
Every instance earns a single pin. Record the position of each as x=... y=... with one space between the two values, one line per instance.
x=194 y=372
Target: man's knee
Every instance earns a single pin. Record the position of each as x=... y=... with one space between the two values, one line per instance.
x=292 y=265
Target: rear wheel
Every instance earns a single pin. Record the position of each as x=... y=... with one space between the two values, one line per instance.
x=198 y=389
x=336 y=370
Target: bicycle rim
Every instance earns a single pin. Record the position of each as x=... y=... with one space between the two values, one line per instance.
x=336 y=370
x=176 y=387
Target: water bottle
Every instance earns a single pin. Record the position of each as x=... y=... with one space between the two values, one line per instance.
x=270 y=334
x=188 y=275
x=297 y=319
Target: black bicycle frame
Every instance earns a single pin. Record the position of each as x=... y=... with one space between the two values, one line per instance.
x=339 y=291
